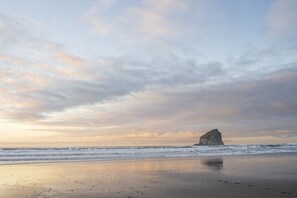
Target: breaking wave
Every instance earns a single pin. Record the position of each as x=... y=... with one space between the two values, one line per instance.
x=38 y=155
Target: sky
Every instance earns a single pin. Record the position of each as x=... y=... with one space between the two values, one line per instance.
x=147 y=72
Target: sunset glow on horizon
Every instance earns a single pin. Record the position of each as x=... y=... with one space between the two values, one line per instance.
x=147 y=72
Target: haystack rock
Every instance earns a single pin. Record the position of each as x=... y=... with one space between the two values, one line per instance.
x=213 y=137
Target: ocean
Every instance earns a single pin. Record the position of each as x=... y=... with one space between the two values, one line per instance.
x=41 y=155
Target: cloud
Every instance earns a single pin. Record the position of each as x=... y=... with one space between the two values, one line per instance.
x=70 y=59
x=100 y=24
x=212 y=68
x=12 y=60
x=167 y=5
x=281 y=19
x=255 y=61
x=145 y=19
x=14 y=30
x=285 y=133
x=107 y=3
x=2 y=25
x=154 y=17
x=243 y=107
x=147 y=22
x=51 y=79
x=107 y=79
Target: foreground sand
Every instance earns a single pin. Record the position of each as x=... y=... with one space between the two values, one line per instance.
x=236 y=176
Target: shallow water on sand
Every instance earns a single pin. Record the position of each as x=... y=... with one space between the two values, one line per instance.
x=229 y=176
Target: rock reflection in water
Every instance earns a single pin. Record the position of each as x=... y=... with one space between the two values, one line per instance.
x=213 y=163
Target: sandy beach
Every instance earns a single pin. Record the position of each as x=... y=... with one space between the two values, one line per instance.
x=273 y=175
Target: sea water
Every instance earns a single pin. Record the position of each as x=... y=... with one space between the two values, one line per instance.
x=38 y=155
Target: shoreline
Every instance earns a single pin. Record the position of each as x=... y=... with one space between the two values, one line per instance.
x=147 y=158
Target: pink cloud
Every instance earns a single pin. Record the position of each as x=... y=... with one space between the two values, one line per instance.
x=282 y=17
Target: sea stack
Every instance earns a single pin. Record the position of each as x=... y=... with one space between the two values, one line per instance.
x=213 y=137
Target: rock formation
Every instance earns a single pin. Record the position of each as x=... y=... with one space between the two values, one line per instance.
x=213 y=137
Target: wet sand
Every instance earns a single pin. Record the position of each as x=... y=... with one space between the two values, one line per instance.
x=229 y=176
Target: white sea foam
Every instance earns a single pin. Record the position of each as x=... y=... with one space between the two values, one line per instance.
x=37 y=155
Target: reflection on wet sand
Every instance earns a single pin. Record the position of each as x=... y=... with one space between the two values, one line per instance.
x=226 y=177
x=213 y=163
